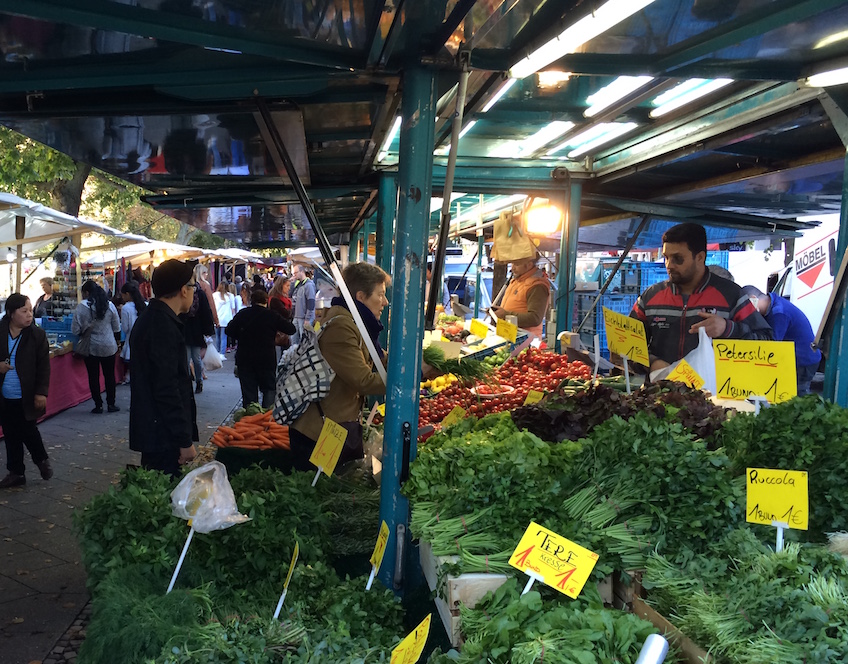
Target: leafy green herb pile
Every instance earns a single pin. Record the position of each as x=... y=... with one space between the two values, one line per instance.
x=221 y=608
x=804 y=433
x=506 y=627
x=750 y=605
x=571 y=415
x=466 y=369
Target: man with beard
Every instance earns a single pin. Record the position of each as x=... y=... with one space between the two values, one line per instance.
x=693 y=298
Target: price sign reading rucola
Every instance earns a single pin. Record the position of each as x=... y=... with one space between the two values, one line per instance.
x=755 y=369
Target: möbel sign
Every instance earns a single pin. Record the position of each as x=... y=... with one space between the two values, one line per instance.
x=755 y=368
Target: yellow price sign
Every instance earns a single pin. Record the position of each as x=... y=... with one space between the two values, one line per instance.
x=533 y=396
x=626 y=337
x=453 y=417
x=329 y=446
x=755 y=369
x=409 y=650
x=780 y=496
x=686 y=374
x=555 y=560
x=380 y=547
x=381 y=409
x=295 y=556
x=507 y=330
x=479 y=328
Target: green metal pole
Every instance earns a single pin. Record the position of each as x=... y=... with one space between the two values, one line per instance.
x=353 y=248
x=481 y=247
x=568 y=260
x=386 y=213
x=836 y=367
x=406 y=329
x=366 y=231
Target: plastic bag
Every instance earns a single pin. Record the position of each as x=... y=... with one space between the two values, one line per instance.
x=212 y=358
x=206 y=498
x=702 y=360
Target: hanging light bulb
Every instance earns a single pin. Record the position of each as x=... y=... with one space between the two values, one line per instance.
x=26 y=263
x=10 y=256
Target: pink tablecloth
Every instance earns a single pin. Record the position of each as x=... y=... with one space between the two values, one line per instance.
x=69 y=383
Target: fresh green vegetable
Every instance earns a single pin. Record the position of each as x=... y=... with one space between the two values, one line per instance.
x=466 y=369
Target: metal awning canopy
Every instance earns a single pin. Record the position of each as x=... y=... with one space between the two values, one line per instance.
x=164 y=97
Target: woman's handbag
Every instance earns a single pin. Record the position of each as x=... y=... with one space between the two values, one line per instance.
x=304 y=378
x=83 y=345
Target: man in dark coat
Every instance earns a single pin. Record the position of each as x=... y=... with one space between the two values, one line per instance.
x=161 y=421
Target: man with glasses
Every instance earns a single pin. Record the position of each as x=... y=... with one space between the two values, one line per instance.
x=162 y=423
x=693 y=298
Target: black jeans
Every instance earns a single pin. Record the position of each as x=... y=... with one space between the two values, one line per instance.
x=255 y=382
x=167 y=462
x=19 y=431
x=93 y=363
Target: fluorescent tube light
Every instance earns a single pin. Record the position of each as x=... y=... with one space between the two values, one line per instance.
x=833 y=77
x=609 y=94
x=835 y=38
x=500 y=93
x=545 y=135
x=467 y=128
x=614 y=131
x=569 y=40
x=389 y=138
x=703 y=88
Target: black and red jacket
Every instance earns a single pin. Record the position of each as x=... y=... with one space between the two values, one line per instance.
x=668 y=314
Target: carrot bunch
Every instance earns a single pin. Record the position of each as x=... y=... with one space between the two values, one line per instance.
x=253 y=432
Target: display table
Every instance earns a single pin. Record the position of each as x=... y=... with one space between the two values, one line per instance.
x=69 y=383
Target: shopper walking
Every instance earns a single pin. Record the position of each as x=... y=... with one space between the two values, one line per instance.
x=97 y=319
x=25 y=377
x=225 y=306
x=162 y=427
x=255 y=329
x=303 y=298
x=198 y=323
x=134 y=305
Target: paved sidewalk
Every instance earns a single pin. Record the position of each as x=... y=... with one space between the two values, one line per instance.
x=42 y=581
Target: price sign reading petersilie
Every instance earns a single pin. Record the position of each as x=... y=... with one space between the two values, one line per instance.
x=626 y=337
x=778 y=496
x=755 y=368
x=555 y=560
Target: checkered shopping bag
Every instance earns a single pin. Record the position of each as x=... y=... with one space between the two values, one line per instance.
x=305 y=377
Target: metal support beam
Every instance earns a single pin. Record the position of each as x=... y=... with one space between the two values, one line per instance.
x=407 y=319
x=478 y=289
x=836 y=367
x=173 y=27
x=386 y=213
x=567 y=268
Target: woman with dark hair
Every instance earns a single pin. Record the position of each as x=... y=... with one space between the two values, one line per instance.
x=25 y=377
x=134 y=304
x=97 y=319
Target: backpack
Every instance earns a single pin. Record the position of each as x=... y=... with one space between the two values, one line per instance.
x=303 y=377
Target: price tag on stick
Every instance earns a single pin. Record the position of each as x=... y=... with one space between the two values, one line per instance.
x=533 y=396
x=409 y=650
x=686 y=374
x=295 y=555
x=379 y=552
x=453 y=417
x=507 y=330
x=626 y=337
x=755 y=368
x=778 y=498
x=554 y=560
x=479 y=329
x=328 y=448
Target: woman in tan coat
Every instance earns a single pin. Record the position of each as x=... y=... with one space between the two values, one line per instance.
x=343 y=347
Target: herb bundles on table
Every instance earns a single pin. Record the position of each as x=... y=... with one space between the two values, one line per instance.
x=508 y=628
x=747 y=604
x=221 y=609
x=804 y=433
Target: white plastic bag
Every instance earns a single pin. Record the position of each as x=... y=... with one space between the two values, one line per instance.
x=206 y=498
x=212 y=358
x=702 y=360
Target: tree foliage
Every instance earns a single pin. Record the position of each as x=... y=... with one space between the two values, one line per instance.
x=32 y=170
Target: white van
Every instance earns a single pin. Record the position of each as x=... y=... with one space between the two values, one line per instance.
x=808 y=282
